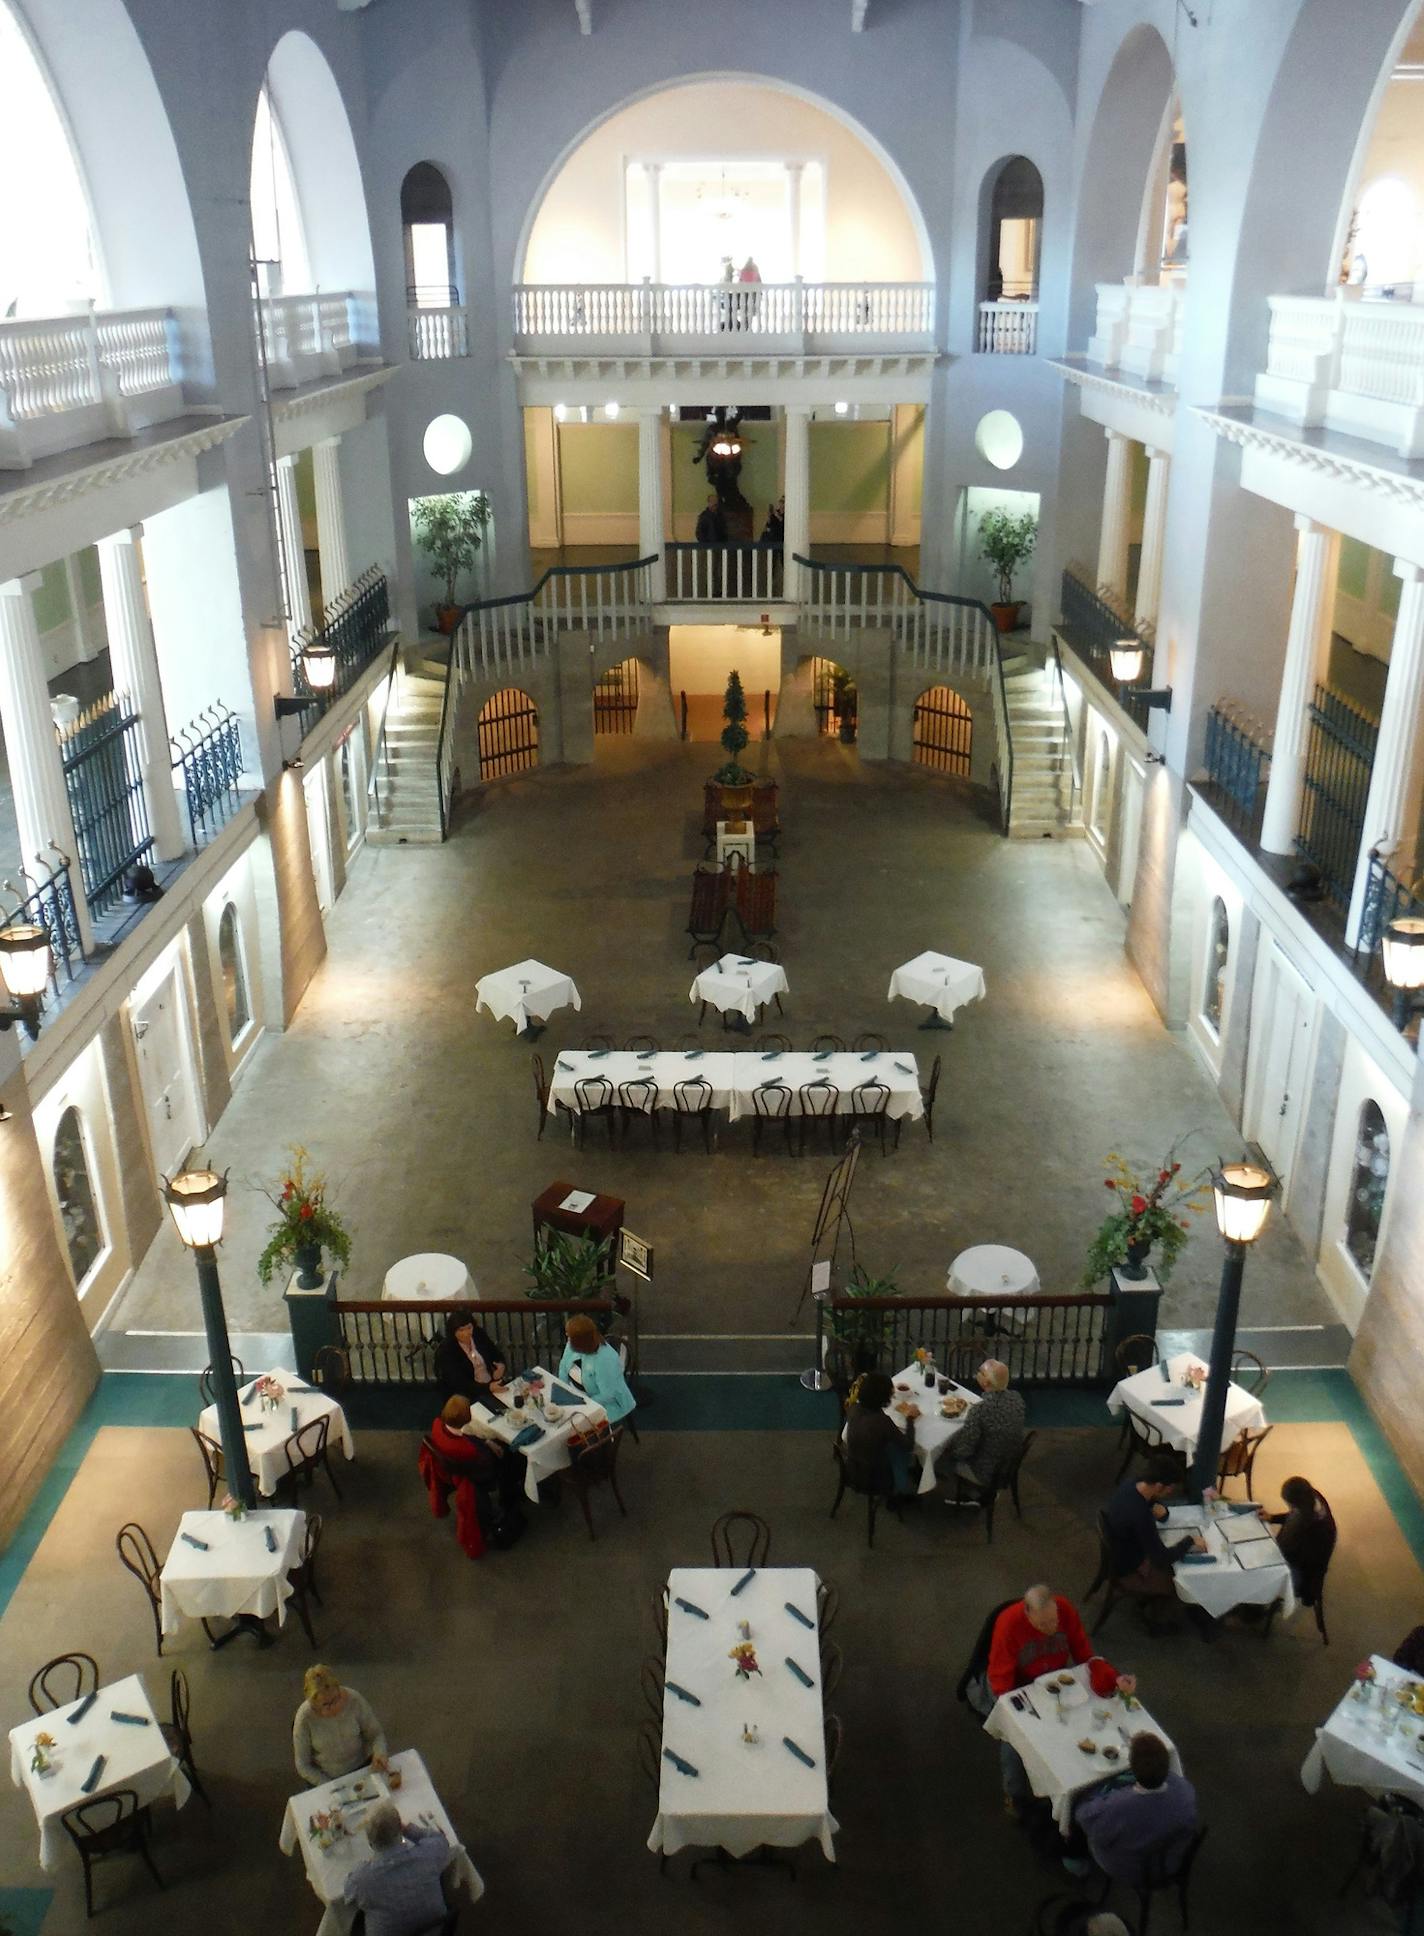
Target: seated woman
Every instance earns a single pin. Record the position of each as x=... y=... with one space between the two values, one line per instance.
x=335 y=1731
x=591 y=1362
x=1306 y=1537
x=877 y=1447
x=468 y=1361
x=469 y=1454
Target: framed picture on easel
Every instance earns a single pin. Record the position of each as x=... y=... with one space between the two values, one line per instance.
x=635 y=1255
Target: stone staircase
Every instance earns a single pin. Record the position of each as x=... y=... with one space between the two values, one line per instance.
x=408 y=778
x=1043 y=805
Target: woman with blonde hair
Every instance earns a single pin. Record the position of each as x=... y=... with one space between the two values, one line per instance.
x=336 y=1731
x=591 y=1362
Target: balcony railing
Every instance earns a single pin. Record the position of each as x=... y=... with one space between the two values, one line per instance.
x=67 y=381
x=1339 y=756
x=1388 y=896
x=1237 y=760
x=103 y=776
x=305 y=337
x=711 y=574
x=1347 y=364
x=436 y=334
x=651 y=318
x=1092 y=625
x=208 y=754
x=354 y=625
x=1042 y=1340
x=1139 y=328
x=49 y=904
x=1008 y=328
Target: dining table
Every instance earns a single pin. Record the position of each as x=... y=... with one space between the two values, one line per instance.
x=549 y=1452
x=935 y=1428
x=527 y=992
x=666 y=1067
x=740 y=985
x=844 y=1070
x=939 y=982
x=993 y=1270
x=1242 y=1566
x=269 y=1428
x=743 y=1761
x=333 y=1852
x=1161 y=1397
x=1045 y=1722
x=115 y=1732
x=219 y=1567
x=1371 y=1740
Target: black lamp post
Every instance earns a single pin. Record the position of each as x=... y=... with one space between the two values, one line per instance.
x=1242 y=1193
x=196 y=1199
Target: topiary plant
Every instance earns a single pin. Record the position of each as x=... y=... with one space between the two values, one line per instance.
x=734 y=735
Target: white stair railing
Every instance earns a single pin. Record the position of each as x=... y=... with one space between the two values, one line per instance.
x=939 y=633
x=722 y=574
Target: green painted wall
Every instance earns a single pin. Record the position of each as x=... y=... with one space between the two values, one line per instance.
x=1358 y=562
x=89 y=579
x=761 y=471
x=1354 y=566
x=850 y=467
x=912 y=465
x=51 y=599
x=598 y=467
x=531 y=468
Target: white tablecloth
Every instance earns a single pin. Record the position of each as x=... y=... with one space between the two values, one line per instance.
x=1228 y=1584
x=549 y=1454
x=507 y=999
x=933 y=1431
x=743 y=1797
x=667 y=1068
x=992 y=1270
x=328 y=1870
x=236 y=1574
x=133 y=1758
x=429 y=1275
x=1057 y=1767
x=896 y=1068
x=738 y=984
x=1180 y=1424
x=1357 y=1753
x=267 y=1445
x=941 y=981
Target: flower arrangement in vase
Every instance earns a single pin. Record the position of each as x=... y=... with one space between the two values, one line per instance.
x=233 y=1507
x=1148 y=1214
x=269 y=1391
x=306 y=1225
x=744 y=1654
x=42 y=1754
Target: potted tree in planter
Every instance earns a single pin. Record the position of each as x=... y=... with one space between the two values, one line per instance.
x=862 y=1334
x=306 y=1226
x=450 y=531
x=845 y=700
x=567 y=1267
x=1005 y=541
x=733 y=779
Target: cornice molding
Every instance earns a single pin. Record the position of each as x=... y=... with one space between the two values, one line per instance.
x=25 y=499
x=1333 y=464
x=316 y=396
x=840 y=363
x=1162 y=402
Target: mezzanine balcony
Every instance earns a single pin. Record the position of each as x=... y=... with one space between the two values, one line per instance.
x=68 y=381
x=1139 y=329
x=734 y=319
x=1347 y=363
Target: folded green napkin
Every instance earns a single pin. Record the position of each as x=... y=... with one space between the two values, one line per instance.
x=682 y=1767
x=1197 y=1559
x=682 y=1693
x=800 y=1753
x=797 y=1614
x=529 y=1436
x=746 y=1578
x=688 y=1607
x=82 y=1709
x=904 y=1068
x=1162 y=1403
x=129 y=1720
x=799 y=1672
x=271 y=1539
x=201 y=1544
x=91 y=1780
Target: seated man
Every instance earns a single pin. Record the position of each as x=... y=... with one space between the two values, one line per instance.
x=1126 y=1825
x=399 y=1886
x=993 y=1430
x=1141 y=1561
x=1306 y=1537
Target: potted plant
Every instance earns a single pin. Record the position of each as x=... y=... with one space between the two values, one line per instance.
x=1005 y=541
x=845 y=701
x=863 y=1333
x=733 y=778
x=566 y=1267
x=450 y=531
x=306 y=1226
x=1145 y=1214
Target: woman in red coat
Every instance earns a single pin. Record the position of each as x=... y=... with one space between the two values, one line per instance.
x=451 y=1456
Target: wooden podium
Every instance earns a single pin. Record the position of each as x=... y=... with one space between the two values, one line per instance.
x=601 y=1218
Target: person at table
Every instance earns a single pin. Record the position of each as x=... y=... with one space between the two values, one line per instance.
x=1141 y=1560
x=1409 y=1654
x=335 y=1732
x=472 y=1451
x=590 y=1362
x=879 y=1445
x=1124 y=1825
x=774 y=530
x=467 y=1360
x=1306 y=1537
x=398 y=1886
x=993 y=1430
x=711 y=525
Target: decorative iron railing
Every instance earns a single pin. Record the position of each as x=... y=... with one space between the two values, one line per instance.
x=1387 y=898
x=395 y=1343
x=1092 y=625
x=354 y=625
x=1339 y=755
x=208 y=752
x=1042 y=1340
x=1237 y=761
x=103 y=775
x=1008 y=328
x=720 y=573
x=49 y=904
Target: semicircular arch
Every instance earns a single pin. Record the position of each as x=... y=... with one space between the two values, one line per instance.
x=317 y=129
x=1126 y=134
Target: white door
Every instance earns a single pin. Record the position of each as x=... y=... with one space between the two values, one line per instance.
x=319 y=834
x=165 y=1062
x=1282 y=1037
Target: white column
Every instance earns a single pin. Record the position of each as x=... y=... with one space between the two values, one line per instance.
x=133 y=662
x=1154 y=531
x=1307 y=649
x=797 y=489
x=650 y=495
x=1392 y=809
x=86 y=646
x=1117 y=490
x=330 y=519
x=36 y=772
x=294 y=561
x=654 y=172
x=794 y=170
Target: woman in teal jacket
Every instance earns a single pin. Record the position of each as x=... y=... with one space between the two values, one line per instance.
x=599 y=1368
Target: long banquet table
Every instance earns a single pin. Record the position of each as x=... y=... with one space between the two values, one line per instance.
x=734 y=1077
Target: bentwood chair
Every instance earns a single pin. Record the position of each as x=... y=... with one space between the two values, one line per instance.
x=1248 y=1371
x=643 y=1044
x=1144 y=1441
x=1134 y=1354
x=1103 y=1579
x=749 y=1530
x=1238 y=1460
x=869 y=1039
x=595 y=1463
x=819 y=1106
x=822 y=1044
x=638 y=1102
x=869 y=1111
x=659 y=1604
x=835 y=1735
x=773 y=1044
x=64 y=1679
x=178 y=1735
x=650 y=1760
x=875 y=1496
x=135 y=1549
x=302 y=1577
x=1168 y=1867
x=111 y=1824
x=205 y=1380
x=652 y=1675
x=832 y=1667
x=828 y=1605
x=593 y=1099
x=212 y=1456
x=331 y=1370
x=771 y=1103
x=541 y=1092
x=600 y=1039
x=1005 y=1478
x=307 y=1450
x=928 y=1091
x=692 y=1100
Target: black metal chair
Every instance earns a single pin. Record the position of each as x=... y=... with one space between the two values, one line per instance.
x=598 y=1040
x=1166 y=1868
x=135 y=1549
x=869 y=1110
x=1248 y=1371
x=111 y=1824
x=689 y=1039
x=835 y=1735
x=1134 y=1354
x=869 y=1039
x=595 y=1463
x=747 y=1526
x=1238 y=1460
x=828 y=1605
x=638 y=1102
x=778 y=1044
x=660 y=1615
x=1103 y=1579
x=692 y=1098
x=819 y=1106
x=212 y=1456
x=302 y=1577
x=205 y=1380
x=823 y=1044
x=541 y=1094
x=331 y=1370
x=650 y=1760
x=652 y=1676
x=307 y=1450
x=928 y=1091
x=876 y=1496
x=771 y=1103
x=177 y=1733
x=594 y=1098
x=643 y=1044
x=832 y=1666
x=80 y=1669
x=1144 y=1441
x=1005 y=1478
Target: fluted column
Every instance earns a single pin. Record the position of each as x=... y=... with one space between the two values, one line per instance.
x=36 y=772
x=294 y=560
x=650 y=495
x=797 y=490
x=654 y=172
x=794 y=171
x=1396 y=778
x=330 y=519
x=133 y=662
x=1117 y=493
x=1307 y=650
x=1154 y=531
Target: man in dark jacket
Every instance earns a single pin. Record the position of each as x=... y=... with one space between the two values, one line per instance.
x=711 y=525
x=1141 y=1561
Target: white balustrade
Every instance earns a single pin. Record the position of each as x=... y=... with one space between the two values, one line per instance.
x=1008 y=328
x=1346 y=363
x=612 y=602
x=438 y=334
x=67 y=381
x=657 y=316
x=723 y=574
x=1110 y=330
x=936 y=634
x=1139 y=327
x=307 y=336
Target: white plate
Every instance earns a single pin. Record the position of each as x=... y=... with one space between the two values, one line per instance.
x=1074 y=1696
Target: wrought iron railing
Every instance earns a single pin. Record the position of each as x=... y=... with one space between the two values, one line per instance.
x=395 y=1343
x=1092 y=625
x=380 y=754
x=354 y=625
x=1387 y=897
x=103 y=776
x=49 y=904
x=208 y=752
x=1042 y=1340
x=1339 y=755
x=1237 y=761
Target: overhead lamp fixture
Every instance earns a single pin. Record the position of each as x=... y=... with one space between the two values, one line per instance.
x=610 y=410
x=842 y=409
x=1126 y=657
x=25 y=968
x=727 y=447
x=1403 y=949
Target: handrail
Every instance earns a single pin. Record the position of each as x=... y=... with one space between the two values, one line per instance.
x=1044 y=1339
x=1070 y=739
x=444 y=793
x=373 y=780
x=557 y=571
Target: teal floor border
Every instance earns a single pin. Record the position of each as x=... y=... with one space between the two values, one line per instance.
x=22 y=1911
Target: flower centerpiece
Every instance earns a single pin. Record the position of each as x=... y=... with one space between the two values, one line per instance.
x=233 y=1507
x=41 y=1754
x=269 y=1391
x=306 y=1225
x=1146 y=1213
x=744 y=1654
x=1365 y=1678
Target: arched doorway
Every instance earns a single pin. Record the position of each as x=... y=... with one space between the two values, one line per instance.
x=834 y=696
x=615 y=698
x=943 y=732
x=508 y=728
x=702 y=658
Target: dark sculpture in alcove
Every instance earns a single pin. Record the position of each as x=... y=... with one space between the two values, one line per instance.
x=720 y=449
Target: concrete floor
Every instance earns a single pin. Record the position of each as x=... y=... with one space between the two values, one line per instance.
x=424 y=1115
x=517 y=1679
